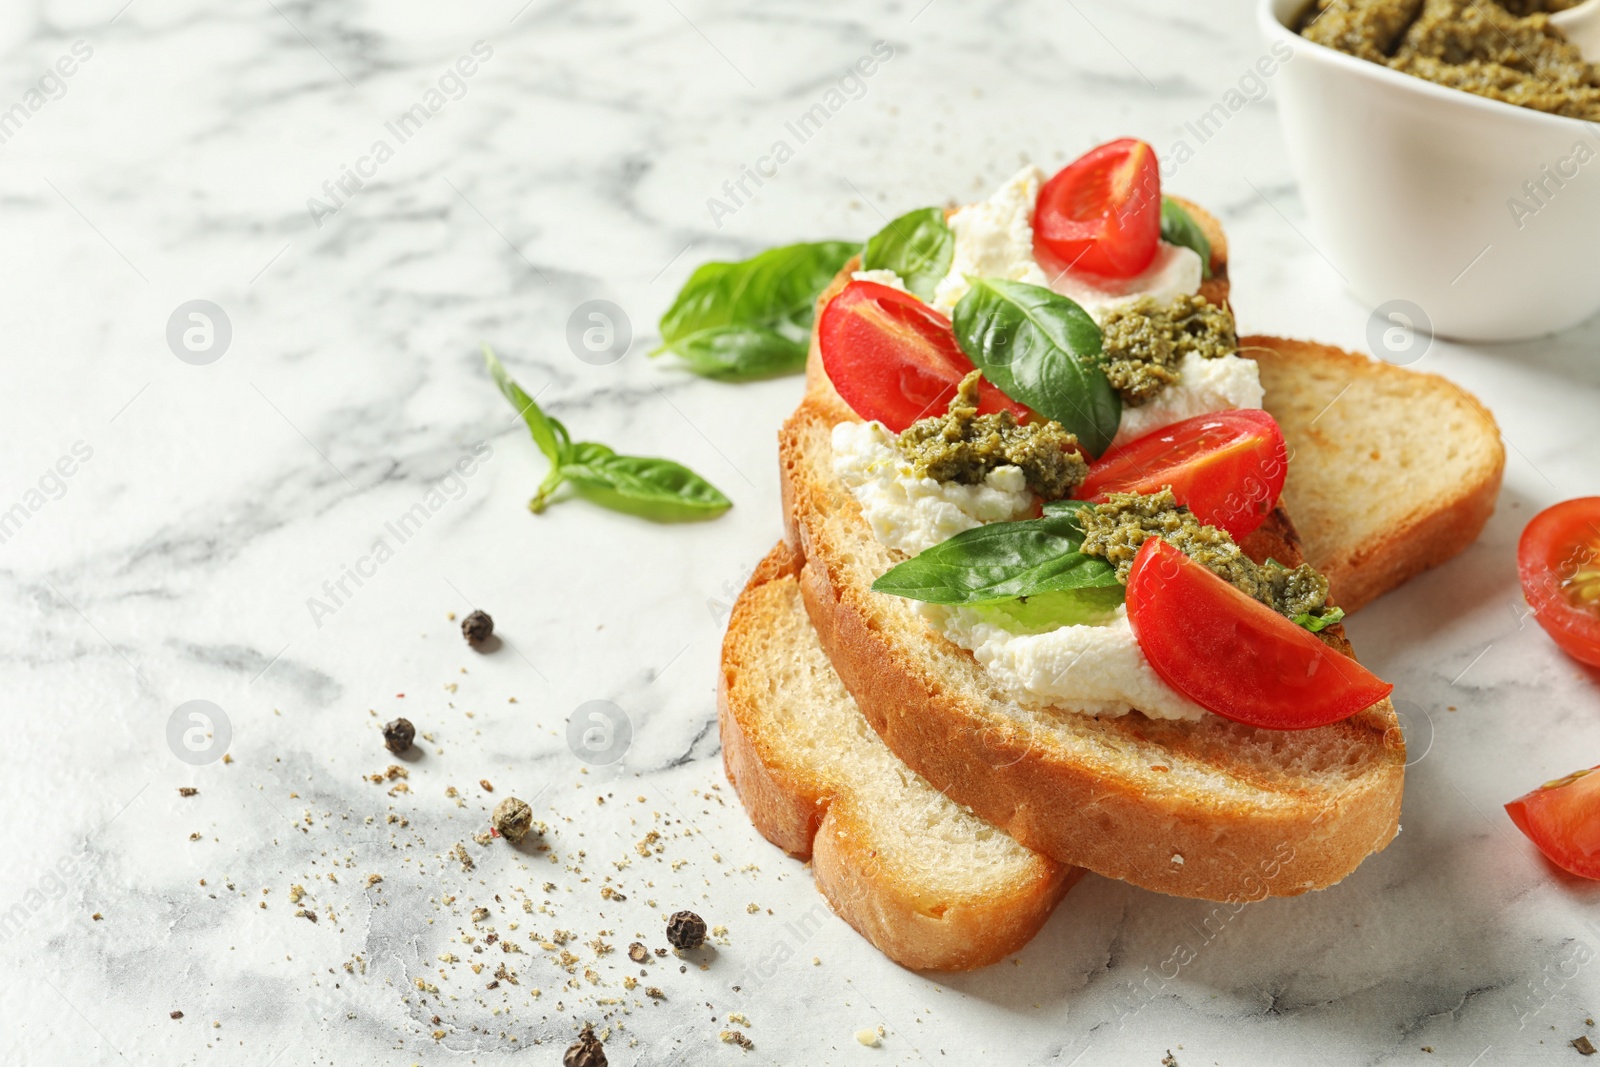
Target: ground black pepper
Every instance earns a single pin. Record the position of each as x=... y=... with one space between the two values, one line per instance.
x=686 y=930
x=477 y=627
x=398 y=735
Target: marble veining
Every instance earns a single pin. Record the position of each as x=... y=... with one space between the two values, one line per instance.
x=204 y=151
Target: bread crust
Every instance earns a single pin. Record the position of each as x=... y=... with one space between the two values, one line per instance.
x=956 y=935
x=795 y=807
x=786 y=808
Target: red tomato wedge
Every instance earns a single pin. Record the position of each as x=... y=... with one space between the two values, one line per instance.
x=1563 y=818
x=895 y=359
x=1227 y=468
x=1559 y=560
x=1234 y=656
x=1102 y=212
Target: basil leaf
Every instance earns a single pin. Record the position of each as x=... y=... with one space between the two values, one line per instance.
x=548 y=434
x=1179 y=228
x=653 y=488
x=741 y=353
x=1317 y=623
x=1001 y=561
x=1050 y=611
x=918 y=246
x=776 y=291
x=1042 y=349
x=1065 y=506
x=656 y=489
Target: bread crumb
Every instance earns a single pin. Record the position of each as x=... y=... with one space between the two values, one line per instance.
x=868 y=1038
x=734 y=1037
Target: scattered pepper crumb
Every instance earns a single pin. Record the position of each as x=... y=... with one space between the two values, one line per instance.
x=686 y=930
x=587 y=1051
x=477 y=627
x=512 y=819
x=398 y=735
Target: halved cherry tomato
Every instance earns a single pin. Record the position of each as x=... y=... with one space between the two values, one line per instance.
x=1102 y=212
x=895 y=359
x=1235 y=656
x=1563 y=818
x=1559 y=560
x=1227 y=468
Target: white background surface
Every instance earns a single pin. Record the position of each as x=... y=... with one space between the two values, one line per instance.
x=178 y=562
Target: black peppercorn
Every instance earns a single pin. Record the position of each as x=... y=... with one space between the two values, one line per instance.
x=686 y=930
x=477 y=627
x=585 y=1052
x=398 y=735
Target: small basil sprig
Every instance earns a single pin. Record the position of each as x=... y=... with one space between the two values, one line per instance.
x=656 y=489
x=918 y=246
x=1317 y=623
x=1003 y=561
x=1042 y=349
x=752 y=319
x=1179 y=228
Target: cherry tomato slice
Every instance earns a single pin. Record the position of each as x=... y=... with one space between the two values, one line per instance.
x=895 y=359
x=1563 y=818
x=1102 y=212
x=1559 y=561
x=1234 y=656
x=1227 y=468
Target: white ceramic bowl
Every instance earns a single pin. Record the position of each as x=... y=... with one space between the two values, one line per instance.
x=1414 y=189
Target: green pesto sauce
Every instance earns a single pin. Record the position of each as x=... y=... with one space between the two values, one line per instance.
x=963 y=446
x=1506 y=51
x=1115 y=530
x=1143 y=342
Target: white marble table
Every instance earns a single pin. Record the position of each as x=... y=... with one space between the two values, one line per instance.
x=207 y=505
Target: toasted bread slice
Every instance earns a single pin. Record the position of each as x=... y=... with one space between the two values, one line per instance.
x=931 y=885
x=1208 y=809
x=1393 y=471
